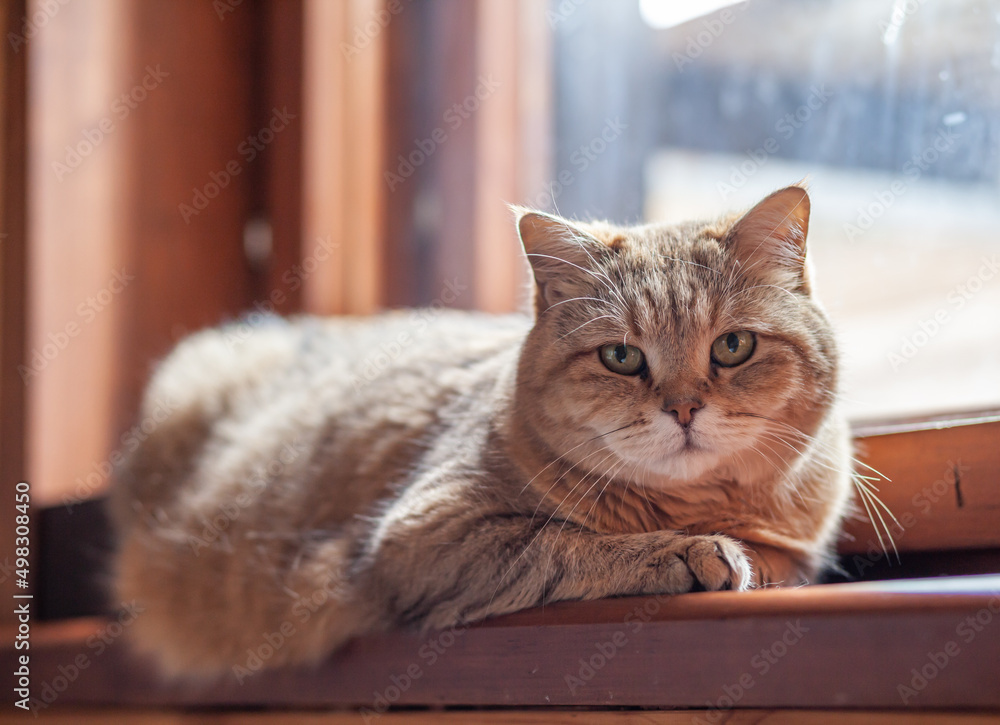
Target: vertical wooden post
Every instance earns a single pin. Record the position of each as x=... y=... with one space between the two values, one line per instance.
x=475 y=96
x=13 y=283
x=283 y=26
x=344 y=93
x=140 y=178
x=511 y=151
x=77 y=221
x=192 y=152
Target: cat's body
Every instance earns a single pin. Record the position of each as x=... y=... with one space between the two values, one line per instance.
x=345 y=476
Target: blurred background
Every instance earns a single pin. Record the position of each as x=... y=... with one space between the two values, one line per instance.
x=190 y=161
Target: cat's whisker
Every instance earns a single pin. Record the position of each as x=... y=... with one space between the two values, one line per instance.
x=580 y=499
x=571 y=450
x=545 y=497
x=576 y=329
x=778 y=438
x=611 y=478
x=864 y=495
x=552 y=463
x=764 y=457
x=593 y=261
x=693 y=264
x=881 y=475
x=567 y=517
x=579 y=299
x=747 y=290
x=559 y=505
x=868 y=489
x=599 y=276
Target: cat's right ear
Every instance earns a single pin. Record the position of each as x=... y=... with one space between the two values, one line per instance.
x=562 y=255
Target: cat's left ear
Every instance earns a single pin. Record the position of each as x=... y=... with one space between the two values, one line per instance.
x=769 y=241
x=562 y=254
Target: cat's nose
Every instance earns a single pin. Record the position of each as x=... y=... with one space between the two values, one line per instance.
x=683 y=410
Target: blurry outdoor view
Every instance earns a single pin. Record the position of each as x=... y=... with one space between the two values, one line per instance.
x=890 y=109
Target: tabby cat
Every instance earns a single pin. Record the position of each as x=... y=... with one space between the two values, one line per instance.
x=666 y=422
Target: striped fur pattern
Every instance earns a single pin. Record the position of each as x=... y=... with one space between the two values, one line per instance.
x=492 y=463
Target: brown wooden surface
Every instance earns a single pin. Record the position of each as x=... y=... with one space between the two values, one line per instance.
x=532 y=717
x=13 y=279
x=943 y=487
x=849 y=645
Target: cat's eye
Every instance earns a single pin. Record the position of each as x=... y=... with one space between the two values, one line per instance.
x=733 y=348
x=623 y=359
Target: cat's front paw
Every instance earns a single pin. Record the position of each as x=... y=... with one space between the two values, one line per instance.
x=710 y=562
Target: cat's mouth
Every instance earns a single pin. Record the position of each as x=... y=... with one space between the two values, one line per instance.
x=689 y=444
x=670 y=451
x=685 y=462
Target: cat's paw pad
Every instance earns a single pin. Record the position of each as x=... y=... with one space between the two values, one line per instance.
x=718 y=562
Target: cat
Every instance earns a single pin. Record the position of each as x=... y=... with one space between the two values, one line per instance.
x=666 y=421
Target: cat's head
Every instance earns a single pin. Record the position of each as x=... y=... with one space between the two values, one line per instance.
x=666 y=353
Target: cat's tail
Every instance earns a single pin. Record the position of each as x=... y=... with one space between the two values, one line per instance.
x=203 y=613
x=209 y=555
x=202 y=381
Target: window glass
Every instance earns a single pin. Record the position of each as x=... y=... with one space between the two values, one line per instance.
x=888 y=109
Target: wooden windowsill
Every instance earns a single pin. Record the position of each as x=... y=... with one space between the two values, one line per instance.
x=828 y=646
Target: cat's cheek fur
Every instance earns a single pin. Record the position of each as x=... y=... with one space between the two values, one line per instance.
x=772 y=566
